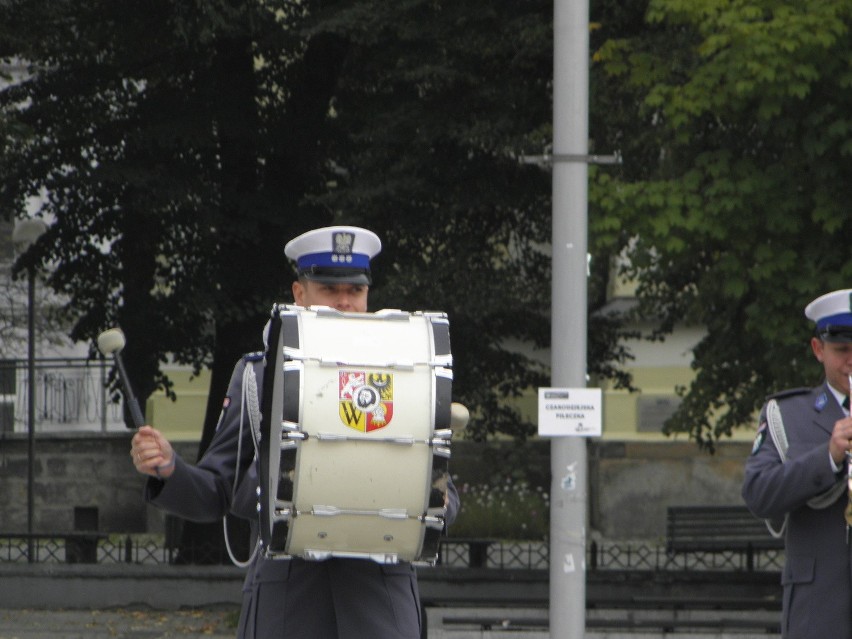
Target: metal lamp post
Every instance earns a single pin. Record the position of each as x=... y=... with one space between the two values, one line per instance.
x=24 y=235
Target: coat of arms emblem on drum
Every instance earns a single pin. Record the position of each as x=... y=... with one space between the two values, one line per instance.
x=366 y=400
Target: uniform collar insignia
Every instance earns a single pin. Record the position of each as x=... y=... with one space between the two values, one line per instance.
x=821 y=401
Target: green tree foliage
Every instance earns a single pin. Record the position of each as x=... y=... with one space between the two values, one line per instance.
x=435 y=107
x=435 y=104
x=180 y=146
x=732 y=206
x=146 y=126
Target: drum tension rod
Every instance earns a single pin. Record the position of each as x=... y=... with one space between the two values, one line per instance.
x=290 y=433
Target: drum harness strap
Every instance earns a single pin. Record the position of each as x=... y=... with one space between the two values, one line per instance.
x=251 y=406
x=779 y=438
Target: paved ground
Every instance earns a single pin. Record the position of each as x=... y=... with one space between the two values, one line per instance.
x=220 y=622
x=215 y=623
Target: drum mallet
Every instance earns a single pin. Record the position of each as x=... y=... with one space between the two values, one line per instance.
x=459 y=416
x=110 y=342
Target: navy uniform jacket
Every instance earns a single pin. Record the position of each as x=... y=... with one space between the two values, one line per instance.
x=817 y=575
x=290 y=598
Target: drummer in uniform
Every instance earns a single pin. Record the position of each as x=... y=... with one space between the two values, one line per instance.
x=796 y=477
x=290 y=598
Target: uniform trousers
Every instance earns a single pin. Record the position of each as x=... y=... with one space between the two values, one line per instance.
x=333 y=599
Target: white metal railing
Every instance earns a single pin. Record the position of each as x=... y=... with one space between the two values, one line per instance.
x=70 y=395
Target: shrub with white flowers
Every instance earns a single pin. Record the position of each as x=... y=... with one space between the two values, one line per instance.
x=509 y=510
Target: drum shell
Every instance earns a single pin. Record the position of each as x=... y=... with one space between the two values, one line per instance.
x=336 y=490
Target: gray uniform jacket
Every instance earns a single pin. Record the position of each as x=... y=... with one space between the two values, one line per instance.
x=817 y=577
x=290 y=598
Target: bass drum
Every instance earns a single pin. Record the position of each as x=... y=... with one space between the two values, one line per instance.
x=355 y=434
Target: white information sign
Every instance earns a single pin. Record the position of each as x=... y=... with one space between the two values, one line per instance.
x=569 y=411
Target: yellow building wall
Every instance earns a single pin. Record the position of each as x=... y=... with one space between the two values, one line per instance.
x=183 y=419
x=621 y=411
x=621 y=408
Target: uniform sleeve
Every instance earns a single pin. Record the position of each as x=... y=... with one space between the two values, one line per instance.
x=772 y=487
x=203 y=492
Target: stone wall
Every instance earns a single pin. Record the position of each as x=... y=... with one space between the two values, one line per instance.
x=630 y=483
x=72 y=473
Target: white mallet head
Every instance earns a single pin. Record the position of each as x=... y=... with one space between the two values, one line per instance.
x=111 y=341
x=459 y=416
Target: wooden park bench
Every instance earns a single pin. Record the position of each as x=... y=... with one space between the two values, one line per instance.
x=718 y=529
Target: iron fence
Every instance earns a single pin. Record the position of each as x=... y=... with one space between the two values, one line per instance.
x=455 y=553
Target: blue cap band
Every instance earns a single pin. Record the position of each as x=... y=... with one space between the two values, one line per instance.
x=841 y=319
x=332 y=260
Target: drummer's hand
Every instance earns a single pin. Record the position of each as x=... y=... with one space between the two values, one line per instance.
x=152 y=453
